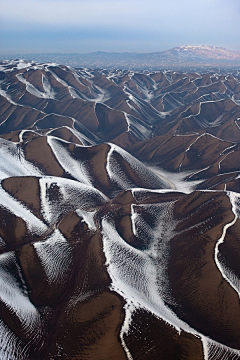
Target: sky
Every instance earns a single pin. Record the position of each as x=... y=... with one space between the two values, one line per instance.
x=82 y=26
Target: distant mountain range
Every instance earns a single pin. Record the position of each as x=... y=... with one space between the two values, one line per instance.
x=202 y=56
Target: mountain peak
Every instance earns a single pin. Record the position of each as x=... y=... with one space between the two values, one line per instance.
x=208 y=51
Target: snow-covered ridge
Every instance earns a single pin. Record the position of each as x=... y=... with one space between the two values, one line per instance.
x=215 y=52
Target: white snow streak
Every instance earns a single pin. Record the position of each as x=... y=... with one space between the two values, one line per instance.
x=34 y=224
x=226 y=273
x=55 y=256
x=74 y=167
x=13 y=163
x=14 y=297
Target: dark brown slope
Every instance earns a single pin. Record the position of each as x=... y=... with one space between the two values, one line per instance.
x=217 y=117
x=14 y=117
x=184 y=153
x=192 y=258
x=165 y=342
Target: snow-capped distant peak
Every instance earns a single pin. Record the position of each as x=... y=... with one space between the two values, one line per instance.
x=207 y=51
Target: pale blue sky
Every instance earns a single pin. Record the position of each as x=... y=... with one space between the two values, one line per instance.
x=31 y=26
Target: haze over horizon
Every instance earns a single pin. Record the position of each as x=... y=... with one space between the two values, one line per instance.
x=76 y=26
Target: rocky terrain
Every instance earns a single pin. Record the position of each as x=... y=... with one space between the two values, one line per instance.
x=120 y=207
